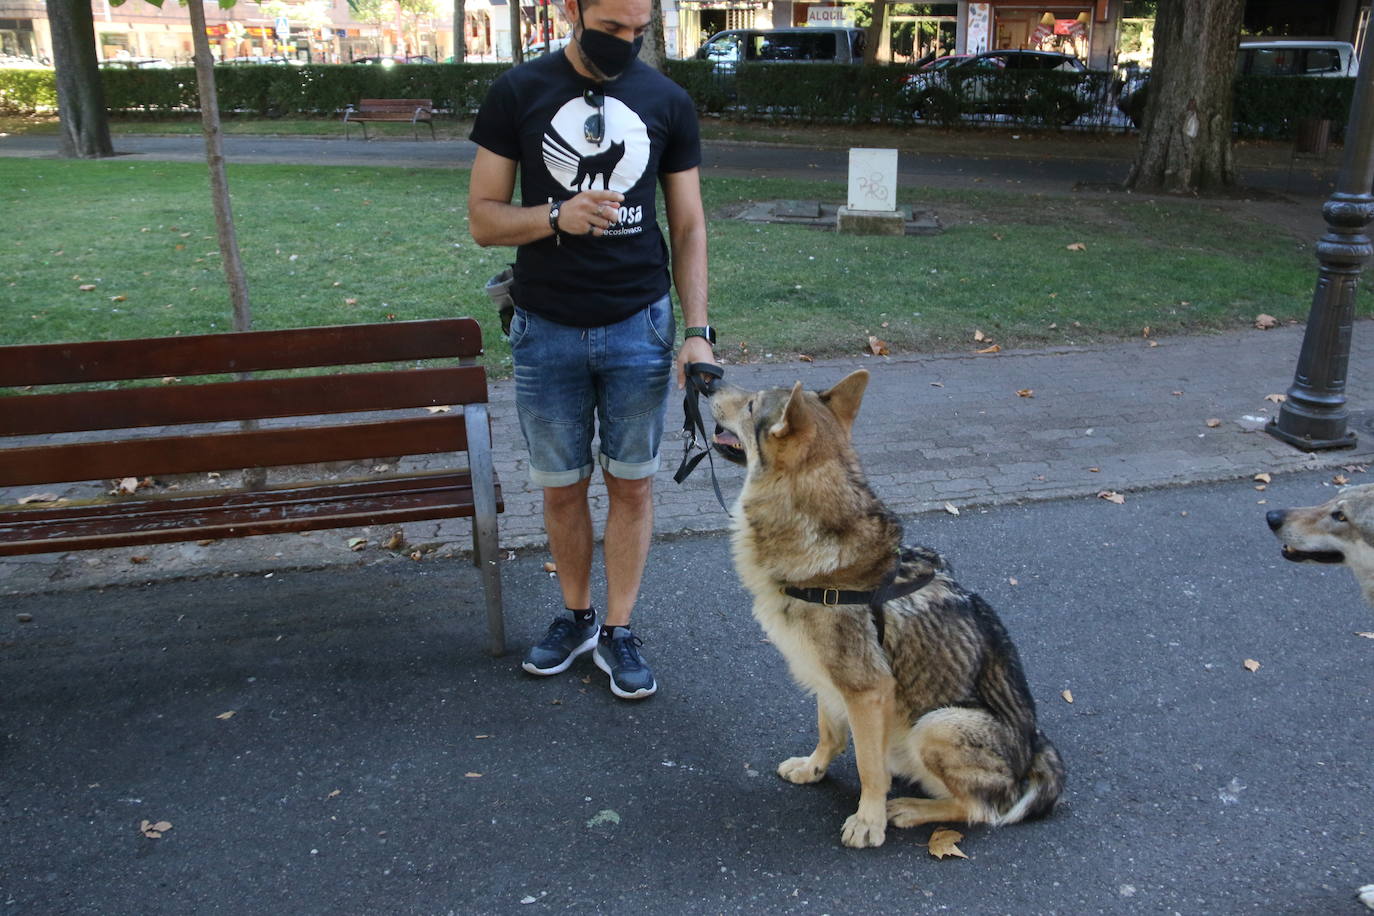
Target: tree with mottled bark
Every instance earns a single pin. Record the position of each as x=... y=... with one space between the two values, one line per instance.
x=460 y=31
x=654 y=52
x=1185 y=137
x=83 y=123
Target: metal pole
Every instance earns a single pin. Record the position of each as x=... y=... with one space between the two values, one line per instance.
x=1314 y=415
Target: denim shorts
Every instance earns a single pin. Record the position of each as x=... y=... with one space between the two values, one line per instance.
x=573 y=382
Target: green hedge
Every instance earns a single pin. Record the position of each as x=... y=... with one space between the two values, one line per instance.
x=1267 y=107
x=1272 y=106
x=23 y=91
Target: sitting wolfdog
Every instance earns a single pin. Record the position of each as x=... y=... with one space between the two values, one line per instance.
x=918 y=669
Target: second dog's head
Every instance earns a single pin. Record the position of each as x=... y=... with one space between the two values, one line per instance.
x=777 y=426
x=1340 y=530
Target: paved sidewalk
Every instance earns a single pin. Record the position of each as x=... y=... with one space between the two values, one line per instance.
x=934 y=430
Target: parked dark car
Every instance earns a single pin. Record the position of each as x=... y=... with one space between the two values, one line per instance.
x=1044 y=85
x=797 y=45
x=393 y=61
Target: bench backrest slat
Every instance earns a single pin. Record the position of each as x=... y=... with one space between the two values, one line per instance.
x=406 y=105
x=244 y=351
x=151 y=456
x=129 y=408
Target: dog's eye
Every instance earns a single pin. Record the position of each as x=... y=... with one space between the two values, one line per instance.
x=1339 y=516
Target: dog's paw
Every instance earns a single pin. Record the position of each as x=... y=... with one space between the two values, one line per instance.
x=902 y=813
x=800 y=770
x=1366 y=895
x=860 y=833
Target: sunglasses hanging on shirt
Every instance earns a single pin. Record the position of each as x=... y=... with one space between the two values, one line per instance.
x=594 y=128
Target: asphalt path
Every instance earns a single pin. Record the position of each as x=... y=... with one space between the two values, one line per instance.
x=1000 y=166
x=377 y=762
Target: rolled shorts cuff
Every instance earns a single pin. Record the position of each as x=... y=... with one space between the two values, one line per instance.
x=626 y=471
x=560 y=478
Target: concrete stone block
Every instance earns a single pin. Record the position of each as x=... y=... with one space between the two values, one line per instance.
x=870 y=222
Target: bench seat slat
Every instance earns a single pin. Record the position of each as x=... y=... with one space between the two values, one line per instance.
x=166 y=519
x=156 y=455
x=253 y=399
x=239 y=351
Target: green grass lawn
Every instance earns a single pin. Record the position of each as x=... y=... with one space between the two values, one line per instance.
x=326 y=245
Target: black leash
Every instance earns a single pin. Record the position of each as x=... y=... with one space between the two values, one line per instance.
x=701 y=379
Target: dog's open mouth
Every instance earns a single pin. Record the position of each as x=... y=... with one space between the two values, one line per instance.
x=727 y=445
x=1312 y=556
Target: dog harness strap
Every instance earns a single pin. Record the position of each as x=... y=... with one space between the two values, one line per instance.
x=875 y=599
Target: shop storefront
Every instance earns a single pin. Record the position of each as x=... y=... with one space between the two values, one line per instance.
x=1086 y=30
x=698 y=20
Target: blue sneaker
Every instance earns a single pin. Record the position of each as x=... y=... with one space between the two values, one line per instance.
x=631 y=678
x=560 y=647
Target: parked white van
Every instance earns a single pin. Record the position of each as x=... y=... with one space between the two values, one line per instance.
x=1296 y=58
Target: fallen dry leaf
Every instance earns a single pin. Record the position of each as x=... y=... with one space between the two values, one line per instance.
x=1111 y=496
x=1076 y=246
x=439 y=409
x=396 y=541
x=1145 y=331
x=1213 y=422
x=226 y=715
x=978 y=336
x=877 y=347
x=1263 y=478
x=1251 y=665
x=1340 y=480
x=805 y=358
x=126 y=485
x=141 y=558
x=335 y=794
x=951 y=509
x=119 y=298
x=942 y=843
x=473 y=775
x=1012 y=581
x=550 y=567
x=1067 y=695
x=86 y=287
x=1265 y=322
x=357 y=543
x=995 y=348
x=154 y=830
x=1094 y=470
x=1025 y=392
x=38 y=498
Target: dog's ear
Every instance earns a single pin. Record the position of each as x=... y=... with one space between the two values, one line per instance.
x=843 y=399
x=793 y=418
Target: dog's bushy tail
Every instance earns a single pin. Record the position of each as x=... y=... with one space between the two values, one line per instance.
x=1044 y=784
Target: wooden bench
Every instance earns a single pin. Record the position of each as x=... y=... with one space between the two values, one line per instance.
x=415 y=111
x=170 y=427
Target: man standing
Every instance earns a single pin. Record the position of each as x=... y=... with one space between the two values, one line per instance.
x=592 y=131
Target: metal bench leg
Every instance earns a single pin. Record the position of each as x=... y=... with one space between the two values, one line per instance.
x=486 y=545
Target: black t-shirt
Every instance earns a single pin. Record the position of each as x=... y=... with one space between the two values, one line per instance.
x=539 y=115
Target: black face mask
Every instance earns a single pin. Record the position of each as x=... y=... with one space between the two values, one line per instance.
x=608 y=55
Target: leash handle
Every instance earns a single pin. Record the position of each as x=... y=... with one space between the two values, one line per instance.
x=701 y=379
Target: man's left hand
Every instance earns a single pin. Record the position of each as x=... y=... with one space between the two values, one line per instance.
x=693 y=350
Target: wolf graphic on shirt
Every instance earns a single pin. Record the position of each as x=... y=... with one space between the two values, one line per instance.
x=602 y=164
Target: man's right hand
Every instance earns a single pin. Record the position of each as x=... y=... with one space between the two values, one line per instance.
x=590 y=213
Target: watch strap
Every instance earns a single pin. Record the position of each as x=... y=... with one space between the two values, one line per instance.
x=704 y=331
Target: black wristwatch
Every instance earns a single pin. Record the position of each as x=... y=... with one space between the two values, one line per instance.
x=554 y=207
x=704 y=331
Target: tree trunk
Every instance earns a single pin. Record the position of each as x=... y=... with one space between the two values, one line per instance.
x=219 y=181
x=878 y=49
x=1185 y=140
x=654 y=53
x=517 y=33
x=253 y=478
x=460 y=31
x=83 y=121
